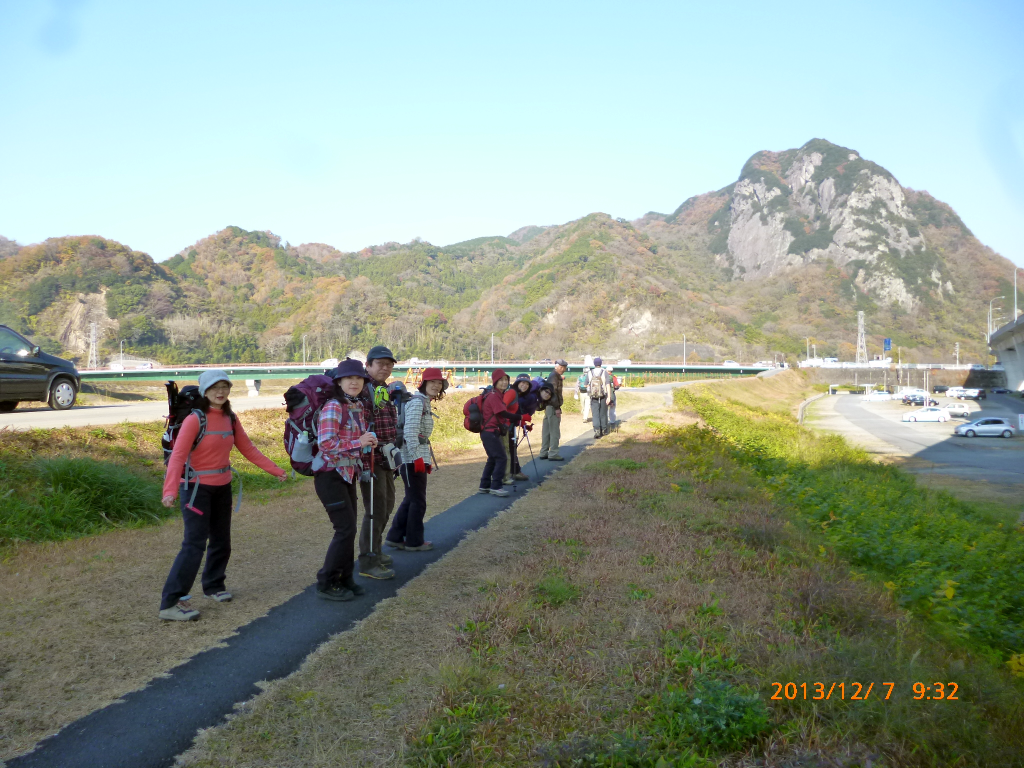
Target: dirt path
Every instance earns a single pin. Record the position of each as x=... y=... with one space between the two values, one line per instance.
x=78 y=618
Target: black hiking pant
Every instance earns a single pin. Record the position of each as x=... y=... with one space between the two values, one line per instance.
x=213 y=526
x=494 y=469
x=341 y=500
x=408 y=525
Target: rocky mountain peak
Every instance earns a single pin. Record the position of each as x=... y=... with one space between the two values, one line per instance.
x=825 y=202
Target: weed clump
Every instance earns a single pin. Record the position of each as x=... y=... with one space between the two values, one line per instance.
x=64 y=498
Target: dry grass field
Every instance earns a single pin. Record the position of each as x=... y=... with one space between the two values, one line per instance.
x=78 y=626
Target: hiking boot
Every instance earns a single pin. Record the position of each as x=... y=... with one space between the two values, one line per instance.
x=377 y=572
x=394 y=544
x=598 y=435
x=386 y=560
x=220 y=597
x=542 y=456
x=520 y=476
x=506 y=480
x=335 y=592
x=555 y=457
x=483 y=490
x=353 y=586
x=424 y=547
x=499 y=492
x=179 y=612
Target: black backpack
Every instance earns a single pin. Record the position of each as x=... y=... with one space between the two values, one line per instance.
x=179 y=406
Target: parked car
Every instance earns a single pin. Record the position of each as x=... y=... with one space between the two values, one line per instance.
x=958 y=409
x=1000 y=391
x=988 y=427
x=927 y=414
x=877 y=396
x=729 y=362
x=938 y=389
x=973 y=394
x=28 y=373
x=919 y=400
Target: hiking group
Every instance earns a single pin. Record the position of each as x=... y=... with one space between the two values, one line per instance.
x=345 y=428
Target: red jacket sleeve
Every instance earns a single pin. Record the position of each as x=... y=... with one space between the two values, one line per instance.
x=182 y=447
x=252 y=453
x=494 y=411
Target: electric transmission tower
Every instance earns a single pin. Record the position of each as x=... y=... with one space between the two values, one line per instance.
x=862 y=345
x=94 y=361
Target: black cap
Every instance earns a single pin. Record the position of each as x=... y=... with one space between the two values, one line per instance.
x=380 y=353
x=561 y=363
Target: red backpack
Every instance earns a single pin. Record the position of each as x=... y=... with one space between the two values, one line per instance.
x=473 y=410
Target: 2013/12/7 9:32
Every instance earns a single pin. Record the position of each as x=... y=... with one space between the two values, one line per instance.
x=858 y=692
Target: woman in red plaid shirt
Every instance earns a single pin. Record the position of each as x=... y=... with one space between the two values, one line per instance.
x=342 y=438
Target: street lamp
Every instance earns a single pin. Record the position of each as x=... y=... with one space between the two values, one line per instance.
x=1015 y=271
x=997 y=298
x=122 y=350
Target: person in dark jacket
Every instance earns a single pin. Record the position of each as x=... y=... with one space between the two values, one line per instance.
x=551 y=433
x=383 y=422
x=495 y=419
x=519 y=401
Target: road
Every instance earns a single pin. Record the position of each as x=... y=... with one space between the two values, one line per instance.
x=983 y=458
x=93 y=415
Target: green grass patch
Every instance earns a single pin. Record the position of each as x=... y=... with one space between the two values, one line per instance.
x=51 y=499
x=616 y=465
x=555 y=591
x=940 y=557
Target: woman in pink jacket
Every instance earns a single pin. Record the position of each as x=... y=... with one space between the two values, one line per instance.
x=206 y=509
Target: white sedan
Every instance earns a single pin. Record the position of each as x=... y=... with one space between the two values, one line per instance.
x=991 y=427
x=927 y=414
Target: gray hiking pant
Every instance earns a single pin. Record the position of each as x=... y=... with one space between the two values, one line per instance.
x=599 y=408
x=383 y=506
x=551 y=432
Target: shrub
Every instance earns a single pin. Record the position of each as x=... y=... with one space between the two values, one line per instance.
x=711 y=713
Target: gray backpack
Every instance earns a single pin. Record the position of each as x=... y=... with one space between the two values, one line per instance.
x=595 y=387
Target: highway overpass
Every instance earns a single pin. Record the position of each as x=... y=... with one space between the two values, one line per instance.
x=1007 y=344
x=472 y=372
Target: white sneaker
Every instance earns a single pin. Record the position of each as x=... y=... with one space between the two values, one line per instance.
x=220 y=597
x=179 y=612
x=499 y=492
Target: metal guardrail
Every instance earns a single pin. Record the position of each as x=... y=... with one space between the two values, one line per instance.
x=468 y=370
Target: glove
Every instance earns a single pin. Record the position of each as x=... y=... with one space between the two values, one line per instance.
x=430 y=468
x=419 y=466
x=527 y=417
x=528 y=427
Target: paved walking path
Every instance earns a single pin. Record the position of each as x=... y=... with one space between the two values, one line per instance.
x=149 y=727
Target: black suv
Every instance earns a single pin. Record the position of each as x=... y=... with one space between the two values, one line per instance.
x=26 y=373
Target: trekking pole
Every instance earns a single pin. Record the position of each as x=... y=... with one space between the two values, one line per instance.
x=372 y=451
x=533 y=459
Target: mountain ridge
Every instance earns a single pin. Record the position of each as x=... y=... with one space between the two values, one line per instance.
x=791 y=250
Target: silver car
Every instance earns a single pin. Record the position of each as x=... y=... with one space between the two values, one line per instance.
x=990 y=426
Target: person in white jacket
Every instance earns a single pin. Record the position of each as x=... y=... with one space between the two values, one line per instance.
x=417 y=463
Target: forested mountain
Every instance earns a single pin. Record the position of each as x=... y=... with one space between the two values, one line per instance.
x=791 y=250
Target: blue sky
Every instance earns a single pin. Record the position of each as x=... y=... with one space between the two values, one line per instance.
x=357 y=123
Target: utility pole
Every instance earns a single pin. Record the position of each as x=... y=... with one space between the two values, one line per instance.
x=862 y=347
x=122 y=350
x=684 y=349
x=492 y=349
x=957 y=347
x=808 y=342
x=303 y=349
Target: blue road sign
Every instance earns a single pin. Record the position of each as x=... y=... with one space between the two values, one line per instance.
x=887 y=345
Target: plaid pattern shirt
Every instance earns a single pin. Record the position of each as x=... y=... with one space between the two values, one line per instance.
x=384 y=423
x=338 y=437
